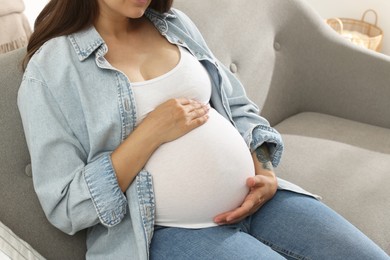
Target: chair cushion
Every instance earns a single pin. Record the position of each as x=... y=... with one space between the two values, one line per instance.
x=349 y=167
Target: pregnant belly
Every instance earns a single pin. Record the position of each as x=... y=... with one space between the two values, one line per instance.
x=200 y=175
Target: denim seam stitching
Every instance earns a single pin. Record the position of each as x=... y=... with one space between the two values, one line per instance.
x=281 y=250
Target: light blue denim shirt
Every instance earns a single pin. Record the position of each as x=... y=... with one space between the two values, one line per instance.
x=76 y=109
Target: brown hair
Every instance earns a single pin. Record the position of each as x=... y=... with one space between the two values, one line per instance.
x=64 y=17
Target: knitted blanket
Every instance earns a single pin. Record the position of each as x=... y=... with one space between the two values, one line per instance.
x=14 y=27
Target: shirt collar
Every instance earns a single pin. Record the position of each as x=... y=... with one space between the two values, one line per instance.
x=87 y=41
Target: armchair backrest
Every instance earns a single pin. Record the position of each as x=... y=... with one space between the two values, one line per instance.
x=261 y=42
x=291 y=61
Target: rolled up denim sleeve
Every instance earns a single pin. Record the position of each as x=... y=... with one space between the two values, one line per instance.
x=264 y=134
x=108 y=199
x=75 y=191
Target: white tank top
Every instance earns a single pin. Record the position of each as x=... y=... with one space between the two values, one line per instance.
x=204 y=172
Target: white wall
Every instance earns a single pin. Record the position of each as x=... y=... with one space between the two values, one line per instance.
x=354 y=9
x=33 y=8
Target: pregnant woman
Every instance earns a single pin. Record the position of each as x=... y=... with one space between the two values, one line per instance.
x=138 y=134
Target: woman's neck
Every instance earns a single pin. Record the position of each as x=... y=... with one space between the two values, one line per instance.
x=119 y=28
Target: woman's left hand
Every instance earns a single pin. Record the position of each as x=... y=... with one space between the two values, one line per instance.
x=262 y=187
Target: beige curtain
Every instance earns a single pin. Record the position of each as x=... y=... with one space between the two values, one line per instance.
x=14 y=27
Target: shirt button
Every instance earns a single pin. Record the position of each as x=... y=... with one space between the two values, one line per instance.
x=180 y=41
x=233 y=68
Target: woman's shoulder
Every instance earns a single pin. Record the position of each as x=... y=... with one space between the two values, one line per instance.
x=55 y=50
x=50 y=58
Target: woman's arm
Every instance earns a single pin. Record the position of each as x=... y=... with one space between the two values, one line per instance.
x=78 y=191
x=262 y=187
x=75 y=193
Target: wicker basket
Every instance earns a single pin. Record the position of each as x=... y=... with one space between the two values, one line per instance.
x=359 y=32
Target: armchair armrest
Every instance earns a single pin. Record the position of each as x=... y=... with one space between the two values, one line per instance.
x=325 y=73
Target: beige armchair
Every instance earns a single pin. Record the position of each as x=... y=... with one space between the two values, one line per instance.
x=328 y=98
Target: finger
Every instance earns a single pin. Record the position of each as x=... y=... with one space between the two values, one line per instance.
x=196 y=122
x=255 y=181
x=199 y=112
x=241 y=212
x=184 y=101
x=193 y=106
x=221 y=218
x=189 y=102
x=235 y=215
x=251 y=182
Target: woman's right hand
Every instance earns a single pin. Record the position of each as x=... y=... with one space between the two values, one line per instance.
x=169 y=121
x=174 y=118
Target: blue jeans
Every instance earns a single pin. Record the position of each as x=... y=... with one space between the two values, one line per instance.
x=290 y=226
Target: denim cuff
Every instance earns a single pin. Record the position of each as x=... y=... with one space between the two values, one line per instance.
x=264 y=134
x=107 y=197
